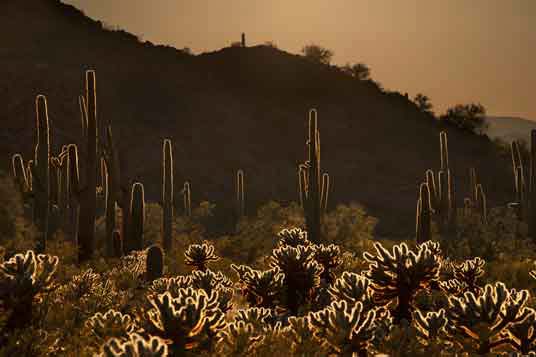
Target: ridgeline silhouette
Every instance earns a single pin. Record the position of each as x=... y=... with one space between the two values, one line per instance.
x=235 y=108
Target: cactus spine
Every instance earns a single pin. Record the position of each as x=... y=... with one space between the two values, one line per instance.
x=41 y=173
x=312 y=204
x=187 y=199
x=167 y=194
x=88 y=202
x=424 y=215
x=154 y=263
x=136 y=219
x=240 y=199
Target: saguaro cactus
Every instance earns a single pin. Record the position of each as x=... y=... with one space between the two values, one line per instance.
x=424 y=215
x=312 y=204
x=154 y=263
x=73 y=192
x=136 y=219
x=481 y=203
x=532 y=186
x=302 y=183
x=326 y=185
x=187 y=199
x=41 y=173
x=19 y=172
x=88 y=202
x=167 y=194
x=240 y=198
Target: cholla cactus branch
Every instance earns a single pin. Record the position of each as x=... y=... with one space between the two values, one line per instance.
x=199 y=255
x=135 y=346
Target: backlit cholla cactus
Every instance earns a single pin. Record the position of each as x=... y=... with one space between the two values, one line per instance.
x=199 y=255
x=453 y=287
x=329 y=257
x=258 y=317
x=344 y=328
x=469 y=272
x=171 y=285
x=23 y=278
x=238 y=339
x=188 y=321
x=400 y=275
x=261 y=288
x=522 y=335
x=210 y=282
x=135 y=346
x=353 y=288
x=479 y=321
x=111 y=324
x=300 y=333
x=293 y=237
x=302 y=274
x=430 y=326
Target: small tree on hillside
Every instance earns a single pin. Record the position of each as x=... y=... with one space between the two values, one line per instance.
x=359 y=71
x=471 y=117
x=423 y=103
x=317 y=53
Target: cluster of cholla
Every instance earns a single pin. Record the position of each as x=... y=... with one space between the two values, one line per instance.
x=299 y=299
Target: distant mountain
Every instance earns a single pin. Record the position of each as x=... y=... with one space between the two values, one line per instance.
x=510 y=128
x=225 y=110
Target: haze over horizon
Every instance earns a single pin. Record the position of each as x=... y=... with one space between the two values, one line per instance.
x=454 y=52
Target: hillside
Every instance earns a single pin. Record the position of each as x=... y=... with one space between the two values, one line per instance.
x=508 y=129
x=229 y=109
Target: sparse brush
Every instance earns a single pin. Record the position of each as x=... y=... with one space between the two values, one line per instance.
x=199 y=255
x=344 y=328
x=302 y=274
x=400 y=275
x=111 y=324
x=23 y=278
x=135 y=346
x=261 y=288
x=478 y=321
x=293 y=237
x=469 y=272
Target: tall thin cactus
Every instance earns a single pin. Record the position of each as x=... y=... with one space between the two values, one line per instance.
x=312 y=203
x=167 y=194
x=41 y=173
x=424 y=215
x=136 y=219
x=187 y=199
x=88 y=202
x=481 y=203
x=326 y=186
x=73 y=193
x=532 y=186
x=19 y=172
x=240 y=198
x=302 y=183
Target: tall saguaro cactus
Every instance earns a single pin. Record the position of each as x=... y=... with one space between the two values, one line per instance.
x=424 y=215
x=312 y=204
x=532 y=186
x=240 y=195
x=187 y=199
x=167 y=194
x=41 y=173
x=326 y=185
x=136 y=219
x=88 y=202
x=73 y=193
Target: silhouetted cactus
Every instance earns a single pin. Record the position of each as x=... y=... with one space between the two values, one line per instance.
x=302 y=274
x=522 y=334
x=171 y=285
x=353 y=288
x=453 y=287
x=185 y=320
x=293 y=237
x=324 y=196
x=22 y=278
x=329 y=257
x=19 y=172
x=41 y=173
x=136 y=219
x=199 y=255
x=434 y=195
x=302 y=184
x=424 y=215
x=258 y=317
x=430 y=326
x=111 y=324
x=240 y=194
x=154 y=263
x=187 y=199
x=135 y=346
x=481 y=203
x=469 y=272
x=238 y=339
x=73 y=193
x=532 y=187
x=117 y=244
x=344 y=328
x=479 y=320
x=400 y=275
x=261 y=288
x=88 y=196
x=167 y=194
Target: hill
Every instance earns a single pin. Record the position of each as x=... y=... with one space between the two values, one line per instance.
x=508 y=128
x=229 y=109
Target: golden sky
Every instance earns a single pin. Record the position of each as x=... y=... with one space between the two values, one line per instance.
x=454 y=51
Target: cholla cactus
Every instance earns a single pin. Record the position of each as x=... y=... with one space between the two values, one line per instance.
x=302 y=274
x=431 y=325
x=111 y=324
x=522 y=335
x=469 y=271
x=135 y=346
x=353 y=288
x=258 y=317
x=453 y=287
x=199 y=255
x=188 y=321
x=209 y=282
x=344 y=328
x=293 y=237
x=261 y=288
x=239 y=339
x=22 y=279
x=171 y=285
x=479 y=321
x=329 y=257
x=300 y=333
x=400 y=275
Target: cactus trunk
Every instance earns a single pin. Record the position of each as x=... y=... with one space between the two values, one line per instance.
x=167 y=195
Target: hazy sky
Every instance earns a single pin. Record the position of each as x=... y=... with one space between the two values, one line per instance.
x=454 y=51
